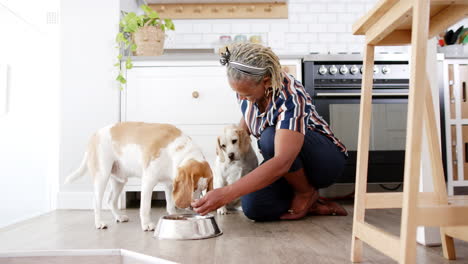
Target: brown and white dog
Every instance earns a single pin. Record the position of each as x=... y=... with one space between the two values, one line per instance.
x=235 y=158
x=158 y=153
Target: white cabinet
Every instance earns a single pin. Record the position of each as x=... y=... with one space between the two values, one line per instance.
x=193 y=95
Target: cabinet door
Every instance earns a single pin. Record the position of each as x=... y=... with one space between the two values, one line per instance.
x=291 y=69
x=454 y=153
x=463 y=79
x=451 y=91
x=465 y=152
x=181 y=95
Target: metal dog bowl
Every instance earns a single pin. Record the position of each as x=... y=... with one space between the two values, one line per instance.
x=187 y=226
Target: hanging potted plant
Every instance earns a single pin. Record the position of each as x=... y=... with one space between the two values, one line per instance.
x=141 y=35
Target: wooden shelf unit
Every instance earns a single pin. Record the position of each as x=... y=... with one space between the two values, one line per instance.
x=403 y=22
x=455 y=79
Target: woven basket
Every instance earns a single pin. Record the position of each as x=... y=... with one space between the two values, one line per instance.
x=149 y=41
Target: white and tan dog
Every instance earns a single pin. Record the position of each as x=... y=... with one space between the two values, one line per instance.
x=235 y=158
x=158 y=153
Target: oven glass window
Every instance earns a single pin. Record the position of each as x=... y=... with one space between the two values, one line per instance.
x=388 y=125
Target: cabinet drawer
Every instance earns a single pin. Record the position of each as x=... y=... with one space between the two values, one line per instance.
x=181 y=95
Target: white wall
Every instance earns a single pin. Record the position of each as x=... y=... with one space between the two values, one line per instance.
x=312 y=26
x=29 y=129
x=90 y=94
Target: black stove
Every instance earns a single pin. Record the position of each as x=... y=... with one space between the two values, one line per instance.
x=334 y=82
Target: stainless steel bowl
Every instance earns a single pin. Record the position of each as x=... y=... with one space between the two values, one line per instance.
x=187 y=226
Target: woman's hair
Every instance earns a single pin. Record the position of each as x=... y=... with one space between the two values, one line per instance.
x=254 y=62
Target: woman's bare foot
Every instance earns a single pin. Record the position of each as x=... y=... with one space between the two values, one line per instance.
x=321 y=207
x=301 y=205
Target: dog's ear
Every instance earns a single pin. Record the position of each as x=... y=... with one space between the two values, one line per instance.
x=219 y=151
x=183 y=187
x=244 y=140
x=209 y=177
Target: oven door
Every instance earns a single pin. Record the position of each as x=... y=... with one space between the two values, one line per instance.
x=387 y=133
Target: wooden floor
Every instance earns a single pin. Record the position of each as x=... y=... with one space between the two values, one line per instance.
x=324 y=239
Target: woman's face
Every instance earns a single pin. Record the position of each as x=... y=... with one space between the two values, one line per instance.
x=250 y=90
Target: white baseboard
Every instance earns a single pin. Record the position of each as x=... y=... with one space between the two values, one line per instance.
x=85 y=200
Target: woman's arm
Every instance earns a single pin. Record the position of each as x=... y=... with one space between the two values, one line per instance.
x=288 y=143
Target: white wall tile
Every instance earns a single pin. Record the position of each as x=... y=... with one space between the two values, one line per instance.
x=241 y=28
x=312 y=25
x=183 y=27
x=318 y=8
x=297 y=8
x=192 y=38
x=348 y=18
x=308 y=18
x=337 y=28
x=327 y=37
x=318 y=47
x=317 y=27
x=221 y=28
x=336 y=8
x=292 y=37
x=260 y=27
x=202 y=28
x=327 y=18
x=298 y=27
x=279 y=27
x=307 y=37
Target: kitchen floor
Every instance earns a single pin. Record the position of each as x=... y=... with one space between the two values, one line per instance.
x=316 y=239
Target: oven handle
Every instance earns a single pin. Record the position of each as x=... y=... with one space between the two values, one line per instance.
x=359 y=94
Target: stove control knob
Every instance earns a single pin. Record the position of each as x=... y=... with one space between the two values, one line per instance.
x=322 y=70
x=354 y=70
x=333 y=70
x=385 y=69
x=344 y=70
x=376 y=70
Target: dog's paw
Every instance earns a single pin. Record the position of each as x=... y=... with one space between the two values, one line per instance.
x=121 y=219
x=100 y=225
x=222 y=211
x=148 y=227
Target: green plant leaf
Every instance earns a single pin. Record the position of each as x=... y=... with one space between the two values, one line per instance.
x=133 y=47
x=163 y=27
x=120 y=37
x=128 y=63
x=169 y=23
x=121 y=79
x=117 y=64
x=119 y=56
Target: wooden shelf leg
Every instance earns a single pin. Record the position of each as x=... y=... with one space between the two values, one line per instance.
x=365 y=114
x=416 y=99
x=438 y=180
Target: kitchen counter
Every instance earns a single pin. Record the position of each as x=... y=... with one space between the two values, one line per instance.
x=194 y=55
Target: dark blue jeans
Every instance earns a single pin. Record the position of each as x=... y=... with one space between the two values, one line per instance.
x=322 y=161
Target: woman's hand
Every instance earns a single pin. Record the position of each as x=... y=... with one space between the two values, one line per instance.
x=212 y=200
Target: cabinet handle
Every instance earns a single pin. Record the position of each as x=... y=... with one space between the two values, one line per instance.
x=464 y=91
x=466 y=152
x=195 y=94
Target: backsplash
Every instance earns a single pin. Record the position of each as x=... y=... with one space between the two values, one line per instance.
x=321 y=26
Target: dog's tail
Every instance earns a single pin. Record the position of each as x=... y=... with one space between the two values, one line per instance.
x=80 y=171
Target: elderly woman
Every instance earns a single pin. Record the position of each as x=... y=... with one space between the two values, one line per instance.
x=300 y=152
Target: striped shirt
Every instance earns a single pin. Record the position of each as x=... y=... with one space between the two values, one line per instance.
x=293 y=110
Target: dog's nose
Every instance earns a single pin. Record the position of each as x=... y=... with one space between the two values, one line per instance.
x=231 y=156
